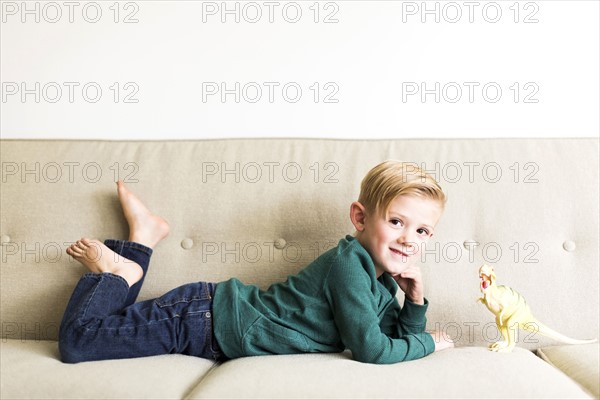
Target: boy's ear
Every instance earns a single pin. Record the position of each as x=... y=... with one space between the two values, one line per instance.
x=357 y=216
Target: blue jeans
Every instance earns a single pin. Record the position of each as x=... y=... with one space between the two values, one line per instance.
x=102 y=320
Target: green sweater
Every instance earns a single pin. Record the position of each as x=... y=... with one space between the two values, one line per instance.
x=335 y=303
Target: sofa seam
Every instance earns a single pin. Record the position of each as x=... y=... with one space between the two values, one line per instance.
x=202 y=378
x=543 y=356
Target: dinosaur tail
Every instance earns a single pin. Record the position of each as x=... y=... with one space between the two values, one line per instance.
x=536 y=326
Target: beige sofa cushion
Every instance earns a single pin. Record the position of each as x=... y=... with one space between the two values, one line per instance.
x=32 y=370
x=460 y=373
x=580 y=362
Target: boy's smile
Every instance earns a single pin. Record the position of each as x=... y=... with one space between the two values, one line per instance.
x=394 y=241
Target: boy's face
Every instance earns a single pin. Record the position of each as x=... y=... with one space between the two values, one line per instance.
x=395 y=240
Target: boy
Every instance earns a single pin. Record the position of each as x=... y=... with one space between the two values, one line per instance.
x=345 y=299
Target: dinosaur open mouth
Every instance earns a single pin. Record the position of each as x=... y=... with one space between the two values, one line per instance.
x=485 y=281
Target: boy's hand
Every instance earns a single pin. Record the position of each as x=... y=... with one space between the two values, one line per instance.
x=441 y=341
x=411 y=283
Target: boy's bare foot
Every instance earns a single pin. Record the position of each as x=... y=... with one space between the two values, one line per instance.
x=144 y=227
x=99 y=258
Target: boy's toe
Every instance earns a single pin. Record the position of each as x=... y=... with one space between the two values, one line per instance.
x=73 y=251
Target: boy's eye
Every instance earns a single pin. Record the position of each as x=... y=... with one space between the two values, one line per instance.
x=396 y=222
x=422 y=231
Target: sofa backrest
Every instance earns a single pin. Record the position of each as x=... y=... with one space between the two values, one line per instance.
x=261 y=209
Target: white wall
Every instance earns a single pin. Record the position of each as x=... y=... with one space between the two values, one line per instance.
x=371 y=61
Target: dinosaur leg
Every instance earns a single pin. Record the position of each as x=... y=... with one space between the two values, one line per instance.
x=501 y=345
x=509 y=337
x=508 y=334
x=533 y=327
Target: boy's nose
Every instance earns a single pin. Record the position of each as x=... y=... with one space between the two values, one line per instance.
x=407 y=240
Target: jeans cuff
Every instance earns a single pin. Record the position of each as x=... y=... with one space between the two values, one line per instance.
x=118 y=245
x=105 y=275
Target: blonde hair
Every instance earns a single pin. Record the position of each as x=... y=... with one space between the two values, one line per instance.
x=390 y=179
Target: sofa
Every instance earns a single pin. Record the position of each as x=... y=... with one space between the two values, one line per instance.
x=262 y=209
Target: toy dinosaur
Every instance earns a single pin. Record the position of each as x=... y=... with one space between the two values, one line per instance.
x=512 y=311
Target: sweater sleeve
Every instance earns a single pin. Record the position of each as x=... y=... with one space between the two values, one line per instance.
x=355 y=314
x=398 y=321
x=412 y=317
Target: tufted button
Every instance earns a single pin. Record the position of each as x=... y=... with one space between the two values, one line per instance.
x=470 y=244
x=5 y=239
x=280 y=243
x=187 y=243
x=569 y=245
